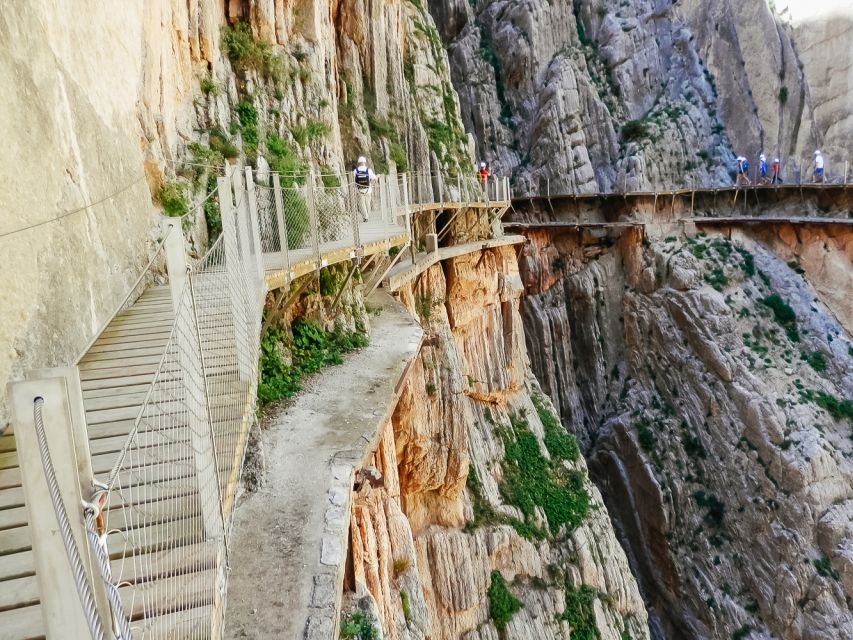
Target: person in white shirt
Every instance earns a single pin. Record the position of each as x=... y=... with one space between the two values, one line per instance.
x=818 y=166
x=363 y=177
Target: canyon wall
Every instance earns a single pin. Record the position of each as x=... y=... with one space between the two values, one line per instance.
x=457 y=530
x=709 y=382
x=582 y=96
x=108 y=110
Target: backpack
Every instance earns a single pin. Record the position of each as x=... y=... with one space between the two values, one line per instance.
x=744 y=167
x=362 y=176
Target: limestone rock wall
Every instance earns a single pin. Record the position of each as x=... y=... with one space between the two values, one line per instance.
x=721 y=432
x=422 y=563
x=105 y=107
x=548 y=88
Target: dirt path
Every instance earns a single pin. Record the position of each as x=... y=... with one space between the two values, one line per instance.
x=310 y=448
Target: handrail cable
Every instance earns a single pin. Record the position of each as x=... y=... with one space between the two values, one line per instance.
x=81 y=581
x=71 y=212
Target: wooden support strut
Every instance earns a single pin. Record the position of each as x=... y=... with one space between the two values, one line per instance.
x=279 y=308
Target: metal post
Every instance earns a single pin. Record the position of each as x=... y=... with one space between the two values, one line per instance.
x=232 y=266
x=176 y=260
x=282 y=223
x=352 y=199
x=62 y=612
x=312 y=213
x=199 y=421
x=255 y=227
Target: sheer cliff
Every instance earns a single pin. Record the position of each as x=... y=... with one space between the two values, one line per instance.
x=594 y=96
x=709 y=383
x=486 y=524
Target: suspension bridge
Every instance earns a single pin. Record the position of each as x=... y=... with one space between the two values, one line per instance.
x=148 y=427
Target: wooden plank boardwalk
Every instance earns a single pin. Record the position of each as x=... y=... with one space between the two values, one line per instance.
x=116 y=376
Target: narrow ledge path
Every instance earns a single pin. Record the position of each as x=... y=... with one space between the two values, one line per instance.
x=288 y=549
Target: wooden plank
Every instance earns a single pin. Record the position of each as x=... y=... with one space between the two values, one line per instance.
x=143 y=348
x=120 y=332
x=14 y=540
x=22 y=624
x=111 y=360
x=8 y=459
x=19 y=592
x=17 y=565
x=102 y=384
x=161 y=335
x=188 y=624
x=87 y=375
x=10 y=498
x=13 y=517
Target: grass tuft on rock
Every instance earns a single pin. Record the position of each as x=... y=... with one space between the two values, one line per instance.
x=580 y=613
x=502 y=604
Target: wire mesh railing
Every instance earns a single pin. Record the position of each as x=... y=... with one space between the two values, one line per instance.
x=158 y=521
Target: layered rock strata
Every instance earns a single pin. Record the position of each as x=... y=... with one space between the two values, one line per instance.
x=426 y=543
x=710 y=384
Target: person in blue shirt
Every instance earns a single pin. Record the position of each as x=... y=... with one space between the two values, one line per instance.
x=762 y=170
x=742 y=171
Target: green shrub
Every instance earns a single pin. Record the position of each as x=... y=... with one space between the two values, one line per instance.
x=406 y=604
x=247 y=53
x=717 y=279
x=311 y=348
x=283 y=160
x=247 y=116
x=398 y=155
x=634 y=131
x=815 y=359
x=824 y=568
x=783 y=95
x=356 y=626
x=502 y=604
x=173 y=198
x=715 y=508
x=580 y=613
x=646 y=435
x=743 y=632
x=530 y=480
x=561 y=445
x=693 y=446
x=208 y=85
x=212 y=215
x=783 y=314
x=748 y=262
x=221 y=143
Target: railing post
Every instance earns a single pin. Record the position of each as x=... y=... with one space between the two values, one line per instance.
x=282 y=223
x=198 y=417
x=255 y=227
x=62 y=612
x=176 y=260
x=236 y=278
x=352 y=205
x=313 y=218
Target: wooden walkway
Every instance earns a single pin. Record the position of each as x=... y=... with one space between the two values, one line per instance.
x=116 y=374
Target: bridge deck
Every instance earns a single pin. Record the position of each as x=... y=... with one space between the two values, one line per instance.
x=116 y=374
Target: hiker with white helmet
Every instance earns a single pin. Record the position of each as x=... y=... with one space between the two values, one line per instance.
x=484 y=174
x=776 y=171
x=818 y=166
x=762 y=170
x=363 y=177
x=742 y=169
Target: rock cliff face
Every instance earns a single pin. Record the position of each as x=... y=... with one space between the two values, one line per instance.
x=122 y=103
x=426 y=545
x=585 y=96
x=709 y=383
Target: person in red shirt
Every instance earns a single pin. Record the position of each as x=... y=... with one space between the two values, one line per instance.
x=484 y=174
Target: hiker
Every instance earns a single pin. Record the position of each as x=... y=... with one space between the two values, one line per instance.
x=484 y=174
x=818 y=166
x=762 y=170
x=742 y=169
x=775 y=171
x=363 y=177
